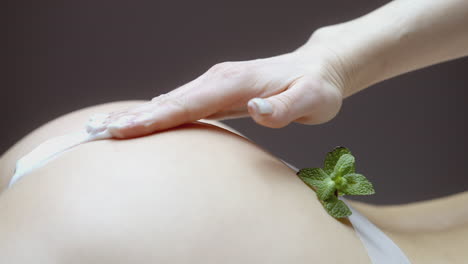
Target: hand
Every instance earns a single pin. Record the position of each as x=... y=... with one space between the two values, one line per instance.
x=304 y=86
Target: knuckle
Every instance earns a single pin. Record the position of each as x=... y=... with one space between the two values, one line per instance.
x=218 y=67
x=229 y=70
x=160 y=97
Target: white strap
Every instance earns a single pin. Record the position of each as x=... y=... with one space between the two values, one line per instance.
x=380 y=248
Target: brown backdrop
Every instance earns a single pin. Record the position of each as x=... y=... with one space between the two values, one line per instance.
x=408 y=133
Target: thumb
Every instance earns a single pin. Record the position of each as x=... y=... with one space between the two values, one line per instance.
x=306 y=101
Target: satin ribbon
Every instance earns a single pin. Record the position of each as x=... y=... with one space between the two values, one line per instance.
x=380 y=248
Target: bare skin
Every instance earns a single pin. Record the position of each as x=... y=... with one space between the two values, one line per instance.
x=308 y=85
x=194 y=194
x=197 y=194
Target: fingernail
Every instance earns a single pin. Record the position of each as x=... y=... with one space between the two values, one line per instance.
x=96 y=123
x=122 y=122
x=261 y=105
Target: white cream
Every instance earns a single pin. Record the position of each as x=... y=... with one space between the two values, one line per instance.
x=380 y=248
x=122 y=122
x=96 y=123
x=52 y=148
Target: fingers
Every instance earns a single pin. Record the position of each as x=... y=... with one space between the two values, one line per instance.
x=306 y=101
x=221 y=88
x=162 y=112
x=263 y=89
x=229 y=114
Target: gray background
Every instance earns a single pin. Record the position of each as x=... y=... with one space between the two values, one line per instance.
x=408 y=133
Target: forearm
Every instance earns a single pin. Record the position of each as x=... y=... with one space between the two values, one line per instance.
x=402 y=36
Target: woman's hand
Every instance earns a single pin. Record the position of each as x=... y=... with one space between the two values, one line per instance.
x=304 y=86
x=308 y=85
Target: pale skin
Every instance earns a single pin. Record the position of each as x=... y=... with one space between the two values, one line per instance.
x=128 y=207
x=198 y=193
x=309 y=84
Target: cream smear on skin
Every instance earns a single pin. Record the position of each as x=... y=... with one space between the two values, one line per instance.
x=380 y=248
x=50 y=149
x=96 y=128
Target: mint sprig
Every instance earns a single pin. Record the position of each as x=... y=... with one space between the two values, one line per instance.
x=338 y=177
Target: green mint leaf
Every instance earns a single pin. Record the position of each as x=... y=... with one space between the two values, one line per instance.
x=336 y=207
x=344 y=165
x=357 y=184
x=337 y=178
x=332 y=158
x=325 y=189
x=312 y=176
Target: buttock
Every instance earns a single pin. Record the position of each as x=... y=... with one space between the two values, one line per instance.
x=198 y=193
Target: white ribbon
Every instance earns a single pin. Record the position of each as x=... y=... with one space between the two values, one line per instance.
x=380 y=248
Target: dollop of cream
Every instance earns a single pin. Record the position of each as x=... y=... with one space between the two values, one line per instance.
x=97 y=123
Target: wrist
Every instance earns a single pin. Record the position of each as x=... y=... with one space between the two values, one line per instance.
x=396 y=38
x=337 y=57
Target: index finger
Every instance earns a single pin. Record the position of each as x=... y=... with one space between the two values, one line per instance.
x=211 y=92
